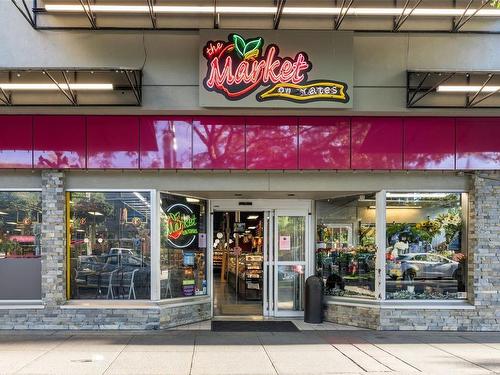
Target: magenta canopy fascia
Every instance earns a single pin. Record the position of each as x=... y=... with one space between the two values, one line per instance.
x=249 y=143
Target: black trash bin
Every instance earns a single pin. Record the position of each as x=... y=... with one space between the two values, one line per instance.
x=313 y=312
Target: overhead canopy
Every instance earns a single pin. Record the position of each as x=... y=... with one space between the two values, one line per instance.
x=453 y=89
x=358 y=15
x=70 y=87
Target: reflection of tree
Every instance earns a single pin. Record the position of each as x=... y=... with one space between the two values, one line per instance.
x=60 y=160
x=88 y=207
x=224 y=145
x=275 y=145
x=325 y=145
x=20 y=201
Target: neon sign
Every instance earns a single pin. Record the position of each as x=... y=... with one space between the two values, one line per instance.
x=239 y=67
x=181 y=225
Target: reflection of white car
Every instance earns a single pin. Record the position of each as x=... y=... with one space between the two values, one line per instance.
x=425 y=266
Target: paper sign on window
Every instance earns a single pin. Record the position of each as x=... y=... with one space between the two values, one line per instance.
x=285 y=243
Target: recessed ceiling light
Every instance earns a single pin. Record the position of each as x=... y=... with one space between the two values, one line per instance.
x=192 y=200
x=252 y=217
x=95 y=213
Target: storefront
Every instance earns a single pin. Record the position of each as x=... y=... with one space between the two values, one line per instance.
x=208 y=173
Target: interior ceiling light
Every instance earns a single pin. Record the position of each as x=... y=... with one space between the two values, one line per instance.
x=417 y=195
x=449 y=88
x=53 y=86
x=252 y=217
x=319 y=11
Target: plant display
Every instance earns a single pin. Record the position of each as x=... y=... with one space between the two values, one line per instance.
x=495 y=3
x=428 y=229
x=451 y=222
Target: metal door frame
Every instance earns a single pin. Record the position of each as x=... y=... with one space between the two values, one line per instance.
x=305 y=263
x=269 y=207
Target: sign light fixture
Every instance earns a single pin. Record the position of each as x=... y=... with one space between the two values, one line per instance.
x=451 y=89
x=53 y=86
x=263 y=10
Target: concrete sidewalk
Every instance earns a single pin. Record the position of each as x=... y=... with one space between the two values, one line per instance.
x=191 y=351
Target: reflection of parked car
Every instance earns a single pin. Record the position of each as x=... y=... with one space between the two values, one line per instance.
x=120 y=251
x=422 y=266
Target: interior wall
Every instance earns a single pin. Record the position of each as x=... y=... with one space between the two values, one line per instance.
x=170 y=61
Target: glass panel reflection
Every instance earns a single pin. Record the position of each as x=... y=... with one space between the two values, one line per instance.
x=290 y=287
x=425 y=256
x=291 y=238
x=183 y=246
x=20 y=245
x=345 y=245
x=110 y=245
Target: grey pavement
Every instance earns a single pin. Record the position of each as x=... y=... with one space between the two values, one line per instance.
x=200 y=351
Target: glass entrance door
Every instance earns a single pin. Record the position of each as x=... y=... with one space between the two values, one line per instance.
x=286 y=262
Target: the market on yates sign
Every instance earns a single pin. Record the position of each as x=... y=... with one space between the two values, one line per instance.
x=245 y=70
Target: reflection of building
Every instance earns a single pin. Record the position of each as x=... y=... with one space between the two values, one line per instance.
x=105 y=178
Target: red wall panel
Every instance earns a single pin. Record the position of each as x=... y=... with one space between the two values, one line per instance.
x=59 y=142
x=16 y=142
x=166 y=142
x=429 y=143
x=219 y=143
x=113 y=142
x=324 y=143
x=271 y=143
x=376 y=143
x=478 y=143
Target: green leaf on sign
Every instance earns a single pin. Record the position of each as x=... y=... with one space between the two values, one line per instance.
x=239 y=45
x=252 y=46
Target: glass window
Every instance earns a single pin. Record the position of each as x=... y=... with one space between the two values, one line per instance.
x=183 y=246
x=425 y=255
x=110 y=249
x=345 y=245
x=20 y=251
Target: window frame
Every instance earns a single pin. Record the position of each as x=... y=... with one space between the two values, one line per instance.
x=36 y=303
x=380 y=235
x=208 y=250
x=154 y=233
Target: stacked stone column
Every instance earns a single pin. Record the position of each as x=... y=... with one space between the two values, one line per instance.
x=53 y=239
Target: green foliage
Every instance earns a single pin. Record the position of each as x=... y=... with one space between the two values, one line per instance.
x=10 y=247
x=95 y=202
x=495 y=3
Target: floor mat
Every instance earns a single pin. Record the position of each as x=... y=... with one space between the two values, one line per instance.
x=249 y=326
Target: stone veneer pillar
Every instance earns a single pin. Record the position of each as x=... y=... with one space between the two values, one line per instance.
x=484 y=250
x=53 y=239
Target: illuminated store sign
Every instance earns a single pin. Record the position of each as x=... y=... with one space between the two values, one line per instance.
x=181 y=224
x=238 y=67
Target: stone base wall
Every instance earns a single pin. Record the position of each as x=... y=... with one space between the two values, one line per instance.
x=357 y=316
x=80 y=318
x=181 y=315
x=64 y=318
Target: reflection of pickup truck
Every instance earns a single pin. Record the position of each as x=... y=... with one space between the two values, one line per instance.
x=120 y=251
x=126 y=258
